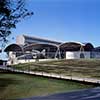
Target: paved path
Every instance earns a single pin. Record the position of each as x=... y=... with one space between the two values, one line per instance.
x=87 y=94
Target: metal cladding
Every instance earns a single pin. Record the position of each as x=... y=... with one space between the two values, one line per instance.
x=13 y=47
x=24 y=40
x=76 y=46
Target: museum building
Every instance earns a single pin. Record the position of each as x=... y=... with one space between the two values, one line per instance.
x=28 y=49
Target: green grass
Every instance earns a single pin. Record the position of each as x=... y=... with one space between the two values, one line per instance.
x=14 y=86
x=80 y=68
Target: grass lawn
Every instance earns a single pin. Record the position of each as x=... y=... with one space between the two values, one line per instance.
x=14 y=86
x=80 y=67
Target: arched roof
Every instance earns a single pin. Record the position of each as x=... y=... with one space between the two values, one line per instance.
x=88 y=47
x=70 y=44
x=75 y=46
x=67 y=46
x=35 y=46
x=13 y=47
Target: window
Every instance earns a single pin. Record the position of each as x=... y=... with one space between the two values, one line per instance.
x=82 y=55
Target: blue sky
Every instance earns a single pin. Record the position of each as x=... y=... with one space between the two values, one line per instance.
x=62 y=20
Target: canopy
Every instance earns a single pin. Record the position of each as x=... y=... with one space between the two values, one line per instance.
x=13 y=47
x=75 y=46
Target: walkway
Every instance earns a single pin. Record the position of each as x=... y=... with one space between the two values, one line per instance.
x=87 y=94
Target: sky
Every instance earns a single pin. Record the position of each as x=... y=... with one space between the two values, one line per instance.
x=62 y=20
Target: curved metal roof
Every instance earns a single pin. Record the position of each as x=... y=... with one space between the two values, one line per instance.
x=30 y=46
x=13 y=47
x=88 y=47
x=67 y=46
x=76 y=46
x=41 y=40
x=16 y=47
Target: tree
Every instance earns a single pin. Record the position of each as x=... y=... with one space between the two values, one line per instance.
x=11 y=12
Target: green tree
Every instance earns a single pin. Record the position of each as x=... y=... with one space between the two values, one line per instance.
x=11 y=12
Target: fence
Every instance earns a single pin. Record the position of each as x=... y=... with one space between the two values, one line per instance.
x=52 y=75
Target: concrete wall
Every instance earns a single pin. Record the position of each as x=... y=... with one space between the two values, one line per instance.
x=15 y=61
x=20 y=40
x=96 y=55
x=77 y=55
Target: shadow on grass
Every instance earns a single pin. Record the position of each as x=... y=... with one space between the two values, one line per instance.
x=5 y=82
